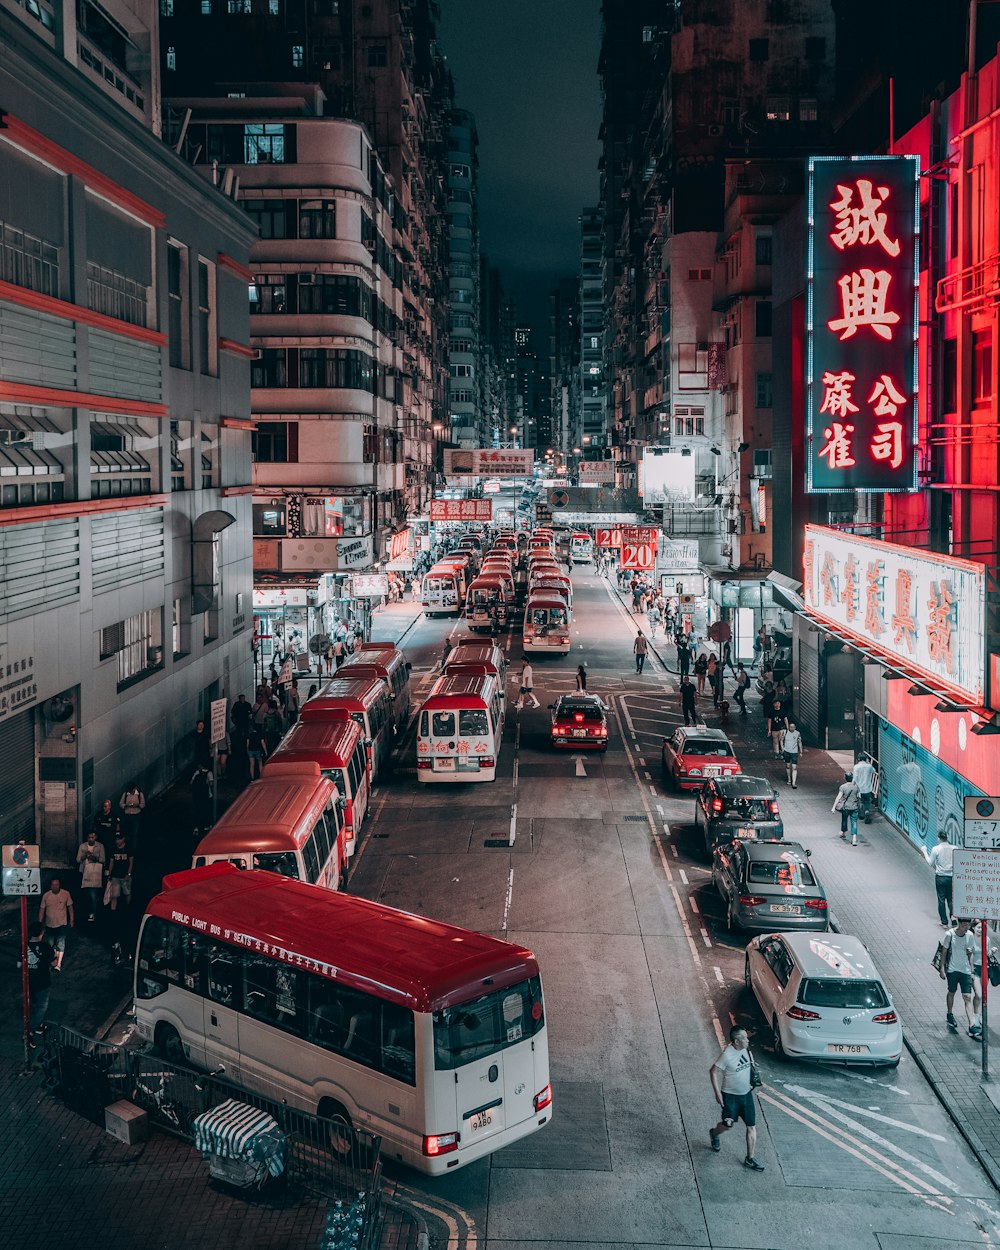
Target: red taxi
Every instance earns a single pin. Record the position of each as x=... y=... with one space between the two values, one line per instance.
x=579 y=721
x=693 y=754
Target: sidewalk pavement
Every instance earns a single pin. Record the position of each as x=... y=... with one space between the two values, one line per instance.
x=881 y=891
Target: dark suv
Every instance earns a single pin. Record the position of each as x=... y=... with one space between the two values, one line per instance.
x=737 y=808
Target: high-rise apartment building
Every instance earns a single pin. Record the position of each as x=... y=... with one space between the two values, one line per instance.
x=496 y=312
x=593 y=435
x=564 y=366
x=125 y=562
x=465 y=398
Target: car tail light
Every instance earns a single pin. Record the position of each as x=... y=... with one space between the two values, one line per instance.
x=887 y=1017
x=440 y=1144
x=486 y=761
x=600 y=732
x=817 y=904
x=772 y=807
x=800 y=1013
x=751 y=900
x=717 y=806
x=543 y=1098
x=423 y=763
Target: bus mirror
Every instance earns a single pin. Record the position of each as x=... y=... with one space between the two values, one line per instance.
x=341 y=803
x=369 y=742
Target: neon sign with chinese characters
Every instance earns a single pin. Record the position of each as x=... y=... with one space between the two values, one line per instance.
x=861 y=324
x=926 y=610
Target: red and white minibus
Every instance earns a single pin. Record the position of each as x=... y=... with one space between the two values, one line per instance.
x=338 y=747
x=366 y=700
x=477 y=657
x=489 y=593
x=442 y=591
x=460 y=729
x=288 y=822
x=391 y=665
x=546 y=624
x=581 y=547
x=545 y=579
x=430 y=1036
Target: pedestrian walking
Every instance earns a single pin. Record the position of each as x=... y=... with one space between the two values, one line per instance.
x=119 y=873
x=527 y=685
x=653 y=616
x=55 y=913
x=40 y=964
x=719 y=685
x=977 y=971
x=701 y=671
x=942 y=860
x=641 y=649
x=339 y=651
x=847 y=802
x=864 y=777
x=202 y=790
x=132 y=804
x=710 y=671
x=731 y=1083
x=688 y=706
x=683 y=655
x=742 y=686
x=328 y=654
x=274 y=727
x=637 y=598
x=202 y=744
x=791 y=749
x=957 y=961
x=90 y=860
x=778 y=724
x=292 y=702
x=414 y=590
x=581 y=678
x=107 y=825
x=256 y=750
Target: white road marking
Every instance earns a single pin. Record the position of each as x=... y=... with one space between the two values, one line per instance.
x=718 y=976
x=828 y=1102
x=694 y=905
x=580 y=770
x=718 y=1032
x=510 y=894
x=652 y=790
x=648 y=775
x=684 y=877
x=513 y=824
x=659 y=808
x=704 y=936
x=674 y=849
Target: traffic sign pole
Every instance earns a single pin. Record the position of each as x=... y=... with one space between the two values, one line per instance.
x=981 y=832
x=25 y=994
x=985 y=986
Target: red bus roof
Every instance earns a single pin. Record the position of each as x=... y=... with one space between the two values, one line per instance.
x=329 y=742
x=342 y=693
x=461 y=690
x=425 y=965
x=261 y=818
x=371 y=664
x=375 y=646
x=477 y=648
x=544 y=599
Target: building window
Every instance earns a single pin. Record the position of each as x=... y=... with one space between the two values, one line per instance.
x=765 y=390
x=762 y=319
x=274 y=8
x=171 y=58
x=953 y=222
x=238 y=6
x=276 y=442
x=982 y=365
x=137 y=642
x=269 y=368
x=206 y=8
x=759 y=49
x=815 y=48
x=699 y=275
x=949 y=375
x=335 y=367
x=324 y=54
x=267 y=143
x=318 y=219
x=298 y=55
x=166 y=8
x=778 y=108
x=178 y=329
x=334 y=294
x=267 y=294
x=269 y=520
x=271 y=216
x=208 y=345
x=808 y=109
x=689 y=427
x=378 y=55
x=180 y=455
x=179 y=630
x=763 y=249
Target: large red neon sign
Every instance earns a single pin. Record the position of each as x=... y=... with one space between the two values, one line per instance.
x=861 y=400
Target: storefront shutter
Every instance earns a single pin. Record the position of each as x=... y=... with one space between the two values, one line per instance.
x=17 y=777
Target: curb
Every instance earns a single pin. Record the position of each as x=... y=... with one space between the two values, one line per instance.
x=408 y=1212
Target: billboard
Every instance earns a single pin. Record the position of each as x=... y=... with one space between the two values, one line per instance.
x=461 y=509
x=489 y=462
x=924 y=610
x=638 y=547
x=861 y=323
x=370 y=585
x=665 y=475
x=597 y=472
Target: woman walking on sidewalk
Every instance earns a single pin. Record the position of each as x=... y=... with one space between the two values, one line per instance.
x=847 y=802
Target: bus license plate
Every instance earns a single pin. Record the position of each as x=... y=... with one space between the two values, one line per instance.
x=834 y=1048
x=444 y=765
x=480 y=1121
x=786 y=909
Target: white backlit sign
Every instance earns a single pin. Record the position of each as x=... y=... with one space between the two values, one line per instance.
x=926 y=610
x=666 y=475
x=489 y=462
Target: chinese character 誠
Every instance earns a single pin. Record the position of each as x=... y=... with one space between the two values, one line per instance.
x=837 y=394
x=863 y=296
x=874 y=618
x=862 y=223
x=903 y=624
x=837 y=447
x=939 y=634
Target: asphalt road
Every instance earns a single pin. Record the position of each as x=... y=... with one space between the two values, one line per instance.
x=594 y=865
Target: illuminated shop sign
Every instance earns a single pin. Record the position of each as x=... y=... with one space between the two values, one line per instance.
x=489 y=462
x=925 y=610
x=461 y=509
x=861 y=324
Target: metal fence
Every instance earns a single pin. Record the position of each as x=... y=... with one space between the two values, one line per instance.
x=322 y=1155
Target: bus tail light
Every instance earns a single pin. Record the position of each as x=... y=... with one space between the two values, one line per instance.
x=440 y=1144
x=487 y=761
x=424 y=764
x=543 y=1098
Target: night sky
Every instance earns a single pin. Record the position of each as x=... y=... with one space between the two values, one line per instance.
x=527 y=69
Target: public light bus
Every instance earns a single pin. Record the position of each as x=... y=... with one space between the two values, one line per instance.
x=581 y=547
x=391 y=665
x=460 y=729
x=442 y=590
x=429 y=1035
x=546 y=624
x=489 y=594
x=288 y=822
x=474 y=656
x=366 y=700
x=338 y=748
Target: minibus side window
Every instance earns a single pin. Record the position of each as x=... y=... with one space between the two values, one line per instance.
x=321 y=836
x=310 y=854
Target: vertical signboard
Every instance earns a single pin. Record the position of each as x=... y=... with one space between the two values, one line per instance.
x=861 y=324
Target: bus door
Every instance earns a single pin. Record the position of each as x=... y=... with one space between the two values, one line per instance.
x=223 y=1001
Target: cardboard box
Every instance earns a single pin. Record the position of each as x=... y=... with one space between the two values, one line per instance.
x=127 y=1122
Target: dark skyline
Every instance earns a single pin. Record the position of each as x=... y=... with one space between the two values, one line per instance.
x=528 y=72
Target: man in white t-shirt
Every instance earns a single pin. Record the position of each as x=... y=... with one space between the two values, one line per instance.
x=730 y=1077
x=942 y=860
x=957 y=966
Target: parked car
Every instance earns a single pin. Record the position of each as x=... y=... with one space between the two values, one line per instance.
x=693 y=753
x=737 y=808
x=579 y=721
x=823 y=999
x=768 y=886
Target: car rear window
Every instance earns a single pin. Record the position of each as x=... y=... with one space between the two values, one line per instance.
x=780 y=872
x=748 y=807
x=698 y=746
x=843 y=993
x=588 y=711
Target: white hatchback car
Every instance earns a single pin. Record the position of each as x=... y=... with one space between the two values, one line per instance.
x=823 y=998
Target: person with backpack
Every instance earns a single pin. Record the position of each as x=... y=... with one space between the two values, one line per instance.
x=956 y=963
x=847 y=802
